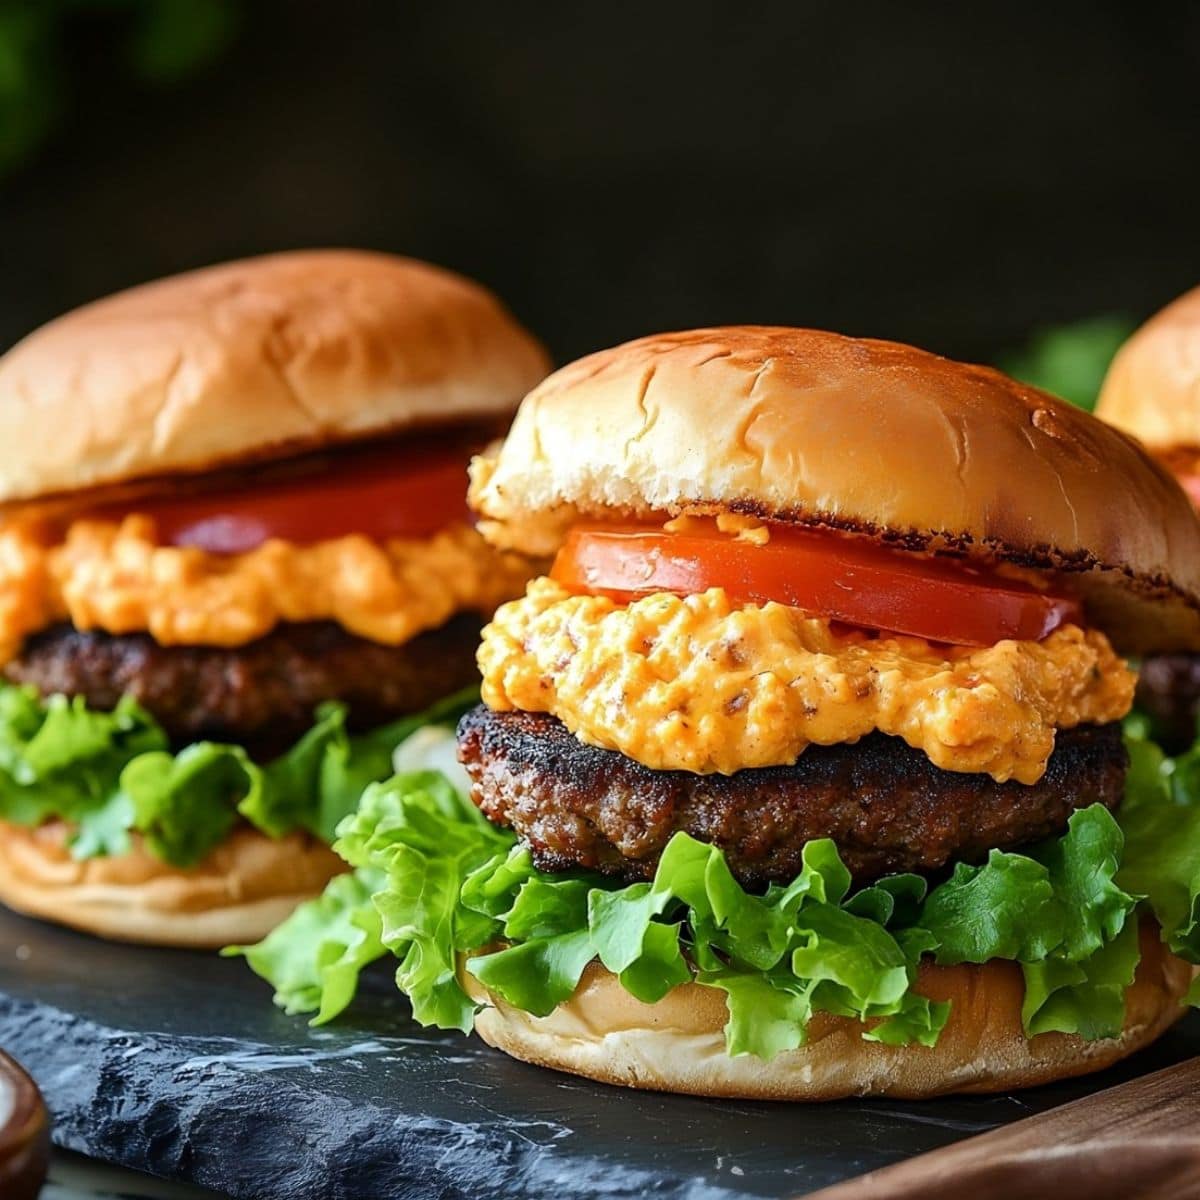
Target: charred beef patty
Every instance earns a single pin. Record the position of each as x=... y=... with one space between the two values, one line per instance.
x=886 y=805
x=260 y=695
x=1168 y=692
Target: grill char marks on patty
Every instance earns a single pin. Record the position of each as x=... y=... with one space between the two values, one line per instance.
x=261 y=695
x=886 y=805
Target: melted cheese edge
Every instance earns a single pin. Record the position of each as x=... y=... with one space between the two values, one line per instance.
x=702 y=684
x=116 y=577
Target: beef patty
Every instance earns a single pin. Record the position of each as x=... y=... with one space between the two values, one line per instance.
x=1168 y=692
x=886 y=805
x=260 y=695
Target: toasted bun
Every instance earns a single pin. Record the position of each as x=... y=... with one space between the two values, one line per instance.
x=238 y=894
x=1152 y=389
x=252 y=360
x=869 y=437
x=678 y=1044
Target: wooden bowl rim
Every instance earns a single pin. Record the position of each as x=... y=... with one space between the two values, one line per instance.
x=29 y=1119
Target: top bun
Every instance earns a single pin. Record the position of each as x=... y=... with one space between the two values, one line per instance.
x=252 y=360
x=865 y=436
x=1152 y=389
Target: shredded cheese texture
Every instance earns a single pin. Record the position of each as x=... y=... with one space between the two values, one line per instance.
x=702 y=684
x=116 y=577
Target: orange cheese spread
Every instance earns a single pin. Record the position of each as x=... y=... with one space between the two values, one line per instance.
x=116 y=577
x=700 y=683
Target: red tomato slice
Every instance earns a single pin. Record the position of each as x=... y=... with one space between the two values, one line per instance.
x=402 y=490
x=845 y=578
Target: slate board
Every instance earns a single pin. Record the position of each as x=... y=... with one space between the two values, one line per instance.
x=176 y=1063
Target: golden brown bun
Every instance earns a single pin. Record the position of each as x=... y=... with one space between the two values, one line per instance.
x=238 y=894
x=251 y=360
x=678 y=1045
x=1152 y=389
x=865 y=436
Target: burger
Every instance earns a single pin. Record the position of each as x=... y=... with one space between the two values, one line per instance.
x=801 y=773
x=236 y=567
x=1152 y=390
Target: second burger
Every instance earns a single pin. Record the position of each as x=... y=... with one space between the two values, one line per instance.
x=236 y=567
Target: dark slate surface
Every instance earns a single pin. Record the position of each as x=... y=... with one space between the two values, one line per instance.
x=176 y=1063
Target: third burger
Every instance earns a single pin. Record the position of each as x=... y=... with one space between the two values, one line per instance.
x=1152 y=390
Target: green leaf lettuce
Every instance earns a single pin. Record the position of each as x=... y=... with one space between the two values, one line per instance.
x=111 y=774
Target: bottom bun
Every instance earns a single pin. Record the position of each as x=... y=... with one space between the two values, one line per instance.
x=245 y=887
x=678 y=1044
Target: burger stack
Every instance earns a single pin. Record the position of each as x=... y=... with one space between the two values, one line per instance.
x=800 y=773
x=236 y=567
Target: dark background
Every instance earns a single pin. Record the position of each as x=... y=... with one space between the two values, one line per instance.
x=954 y=175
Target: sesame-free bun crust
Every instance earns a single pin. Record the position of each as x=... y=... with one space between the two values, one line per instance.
x=251 y=360
x=1152 y=388
x=864 y=436
x=678 y=1044
x=245 y=887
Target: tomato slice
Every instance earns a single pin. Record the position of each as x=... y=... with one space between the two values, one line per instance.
x=404 y=489
x=845 y=578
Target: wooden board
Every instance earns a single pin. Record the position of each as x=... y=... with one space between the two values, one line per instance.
x=1141 y=1139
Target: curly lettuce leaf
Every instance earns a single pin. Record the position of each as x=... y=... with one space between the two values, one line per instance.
x=1000 y=909
x=1082 y=867
x=1059 y=898
x=181 y=804
x=918 y=1019
x=100 y=830
x=768 y=1012
x=1085 y=997
x=1160 y=818
x=425 y=838
x=536 y=976
x=109 y=775
x=314 y=958
x=320 y=780
x=59 y=759
x=421 y=901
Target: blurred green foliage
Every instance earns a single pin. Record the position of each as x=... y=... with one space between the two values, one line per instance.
x=1070 y=360
x=152 y=42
